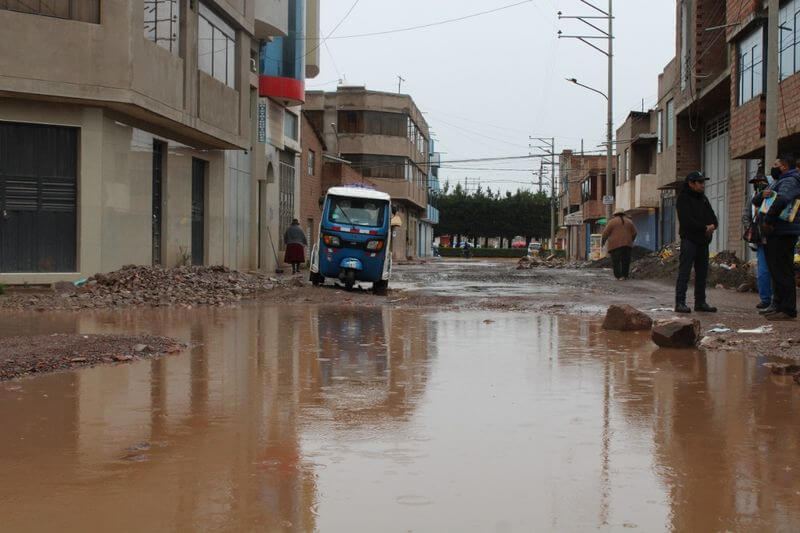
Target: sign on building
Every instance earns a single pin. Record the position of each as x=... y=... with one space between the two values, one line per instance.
x=573 y=219
x=608 y=200
x=262 y=121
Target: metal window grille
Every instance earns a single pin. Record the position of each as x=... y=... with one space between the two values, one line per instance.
x=286 y=194
x=161 y=23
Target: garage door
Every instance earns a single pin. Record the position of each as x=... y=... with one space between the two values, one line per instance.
x=715 y=161
x=38 y=196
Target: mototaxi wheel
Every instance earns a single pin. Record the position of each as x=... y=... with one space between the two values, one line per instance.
x=350 y=279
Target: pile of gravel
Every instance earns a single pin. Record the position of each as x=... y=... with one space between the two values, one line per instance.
x=148 y=286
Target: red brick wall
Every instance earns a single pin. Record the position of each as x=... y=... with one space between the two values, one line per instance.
x=747 y=125
x=338 y=174
x=310 y=185
x=739 y=10
x=687 y=144
x=789 y=108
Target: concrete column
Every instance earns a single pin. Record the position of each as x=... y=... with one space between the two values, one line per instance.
x=773 y=46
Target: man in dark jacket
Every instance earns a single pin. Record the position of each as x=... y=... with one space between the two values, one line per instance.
x=697 y=223
x=781 y=237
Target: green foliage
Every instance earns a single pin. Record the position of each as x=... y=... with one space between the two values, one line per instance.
x=2 y=289
x=484 y=252
x=488 y=214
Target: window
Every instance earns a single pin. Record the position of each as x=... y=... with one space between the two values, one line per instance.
x=789 y=35
x=660 y=133
x=290 y=125
x=312 y=162
x=751 y=61
x=216 y=47
x=357 y=211
x=161 y=23
x=80 y=10
x=627 y=164
x=670 y=123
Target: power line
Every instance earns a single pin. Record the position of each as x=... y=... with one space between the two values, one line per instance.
x=432 y=24
x=330 y=33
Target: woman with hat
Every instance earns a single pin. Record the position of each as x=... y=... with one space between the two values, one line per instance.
x=295 y=239
x=620 y=234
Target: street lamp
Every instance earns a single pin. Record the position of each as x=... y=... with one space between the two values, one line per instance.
x=603 y=35
x=576 y=82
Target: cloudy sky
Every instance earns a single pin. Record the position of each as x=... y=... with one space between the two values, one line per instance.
x=487 y=83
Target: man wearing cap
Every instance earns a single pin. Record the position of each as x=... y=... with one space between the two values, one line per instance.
x=763 y=280
x=697 y=223
x=781 y=238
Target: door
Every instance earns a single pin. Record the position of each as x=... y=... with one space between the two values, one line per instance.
x=38 y=198
x=158 y=155
x=715 y=162
x=198 y=211
x=262 y=187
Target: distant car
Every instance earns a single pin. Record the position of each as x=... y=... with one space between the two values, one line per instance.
x=534 y=247
x=519 y=244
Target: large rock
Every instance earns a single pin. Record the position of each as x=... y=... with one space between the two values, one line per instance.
x=677 y=333
x=626 y=318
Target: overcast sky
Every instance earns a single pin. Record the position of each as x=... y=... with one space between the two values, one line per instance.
x=488 y=83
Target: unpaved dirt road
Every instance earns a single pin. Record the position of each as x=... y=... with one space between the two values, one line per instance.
x=472 y=398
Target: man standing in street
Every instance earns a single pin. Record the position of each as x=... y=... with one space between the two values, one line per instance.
x=763 y=279
x=697 y=223
x=781 y=238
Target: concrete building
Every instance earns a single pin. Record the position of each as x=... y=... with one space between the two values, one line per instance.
x=637 y=184
x=386 y=138
x=581 y=213
x=431 y=217
x=142 y=132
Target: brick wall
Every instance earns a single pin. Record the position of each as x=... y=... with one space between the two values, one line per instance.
x=310 y=184
x=688 y=138
x=740 y=10
x=748 y=123
x=789 y=108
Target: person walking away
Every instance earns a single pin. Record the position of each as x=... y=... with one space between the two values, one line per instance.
x=697 y=223
x=781 y=236
x=295 y=239
x=620 y=233
x=763 y=279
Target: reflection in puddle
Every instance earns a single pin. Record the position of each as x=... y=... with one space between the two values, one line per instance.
x=307 y=418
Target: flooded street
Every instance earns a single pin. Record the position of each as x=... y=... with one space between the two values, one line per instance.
x=307 y=417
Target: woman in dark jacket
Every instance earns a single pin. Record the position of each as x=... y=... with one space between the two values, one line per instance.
x=295 y=239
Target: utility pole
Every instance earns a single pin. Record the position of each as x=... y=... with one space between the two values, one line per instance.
x=400 y=80
x=773 y=52
x=609 y=95
x=549 y=147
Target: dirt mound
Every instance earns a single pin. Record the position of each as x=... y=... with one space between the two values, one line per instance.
x=150 y=286
x=725 y=268
x=529 y=262
x=39 y=354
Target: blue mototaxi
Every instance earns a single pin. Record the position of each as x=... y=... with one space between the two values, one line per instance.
x=355 y=238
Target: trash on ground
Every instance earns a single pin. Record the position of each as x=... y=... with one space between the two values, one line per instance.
x=760 y=329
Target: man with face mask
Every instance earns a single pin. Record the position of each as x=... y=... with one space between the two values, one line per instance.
x=697 y=223
x=781 y=237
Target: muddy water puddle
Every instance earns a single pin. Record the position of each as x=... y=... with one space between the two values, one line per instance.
x=303 y=418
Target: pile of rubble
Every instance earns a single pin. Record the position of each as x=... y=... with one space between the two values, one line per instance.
x=725 y=268
x=529 y=262
x=148 y=286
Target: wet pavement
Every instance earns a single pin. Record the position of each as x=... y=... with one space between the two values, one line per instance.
x=349 y=418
